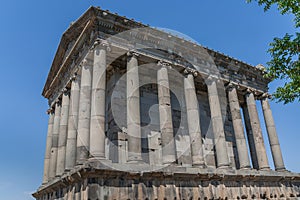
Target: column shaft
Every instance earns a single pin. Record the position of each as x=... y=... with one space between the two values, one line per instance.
x=48 y=146
x=272 y=135
x=72 y=124
x=62 y=139
x=84 y=113
x=250 y=137
x=217 y=125
x=97 y=139
x=260 y=149
x=165 y=116
x=133 y=110
x=238 y=127
x=55 y=133
x=193 y=120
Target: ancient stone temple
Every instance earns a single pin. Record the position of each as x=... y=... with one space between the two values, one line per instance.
x=136 y=112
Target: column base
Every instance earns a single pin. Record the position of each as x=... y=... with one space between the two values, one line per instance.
x=265 y=169
x=100 y=157
x=283 y=169
x=223 y=166
x=199 y=165
x=80 y=163
x=137 y=161
x=245 y=167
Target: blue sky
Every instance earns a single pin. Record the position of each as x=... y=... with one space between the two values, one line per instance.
x=30 y=33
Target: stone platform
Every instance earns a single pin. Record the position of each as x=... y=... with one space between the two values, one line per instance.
x=95 y=181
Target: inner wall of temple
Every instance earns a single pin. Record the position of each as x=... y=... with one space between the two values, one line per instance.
x=116 y=145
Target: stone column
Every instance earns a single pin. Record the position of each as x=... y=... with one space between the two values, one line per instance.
x=217 y=124
x=72 y=124
x=165 y=115
x=272 y=134
x=260 y=149
x=193 y=119
x=238 y=127
x=84 y=114
x=133 y=109
x=48 y=146
x=97 y=139
x=55 y=133
x=250 y=136
x=63 y=127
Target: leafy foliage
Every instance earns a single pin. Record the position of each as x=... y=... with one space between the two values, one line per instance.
x=285 y=53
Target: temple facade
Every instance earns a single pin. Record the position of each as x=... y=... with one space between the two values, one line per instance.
x=139 y=113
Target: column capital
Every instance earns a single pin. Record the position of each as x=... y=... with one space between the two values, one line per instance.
x=249 y=90
x=74 y=77
x=57 y=102
x=210 y=79
x=231 y=85
x=188 y=71
x=164 y=64
x=124 y=130
x=50 y=111
x=265 y=95
x=133 y=53
x=101 y=44
x=66 y=91
x=86 y=62
x=252 y=91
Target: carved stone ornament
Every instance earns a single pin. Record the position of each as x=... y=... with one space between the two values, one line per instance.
x=188 y=71
x=101 y=44
x=164 y=64
x=133 y=53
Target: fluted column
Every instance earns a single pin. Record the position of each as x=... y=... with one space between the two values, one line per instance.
x=97 y=139
x=217 y=124
x=72 y=124
x=193 y=119
x=165 y=115
x=133 y=109
x=84 y=114
x=272 y=134
x=55 y=133
x=48 y=146
x=260 y=149
x=238 y=127
x=62 y=139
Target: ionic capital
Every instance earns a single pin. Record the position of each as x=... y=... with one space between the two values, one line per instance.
x=101 y=44
x=132 y=53
x=86 y=62
x=231 y=86
x=249 y=91
x=164 y=64
x=252 y=91
x=50 y=111
x=211 y=79
x=65 y=91
x=193 y=72
x=74 y=77
x=265 y=96
x=57 y=102
x=124 y=130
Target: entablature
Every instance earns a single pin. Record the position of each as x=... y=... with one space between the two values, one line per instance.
x=125 y=34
